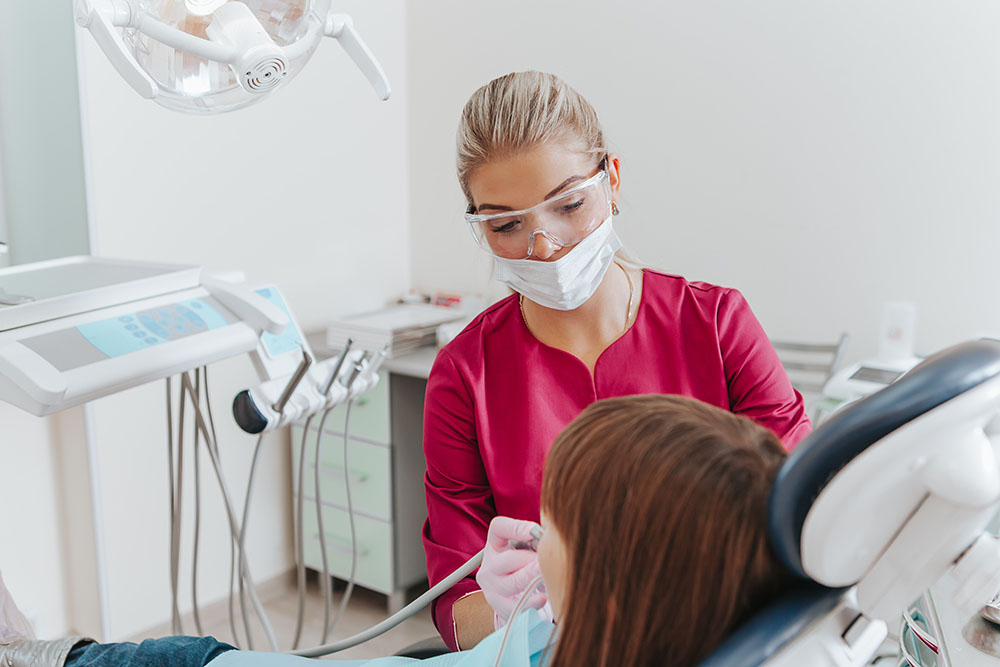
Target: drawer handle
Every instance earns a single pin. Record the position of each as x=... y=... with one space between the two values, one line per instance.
x=341 y=545
x=355 y=474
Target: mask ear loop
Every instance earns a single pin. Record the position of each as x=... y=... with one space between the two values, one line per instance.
x=513 y=615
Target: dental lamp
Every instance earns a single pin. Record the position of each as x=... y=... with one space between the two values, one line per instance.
x=213 y=56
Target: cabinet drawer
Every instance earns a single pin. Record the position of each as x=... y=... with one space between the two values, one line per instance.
x=370 y=473
x=374 y=564
x=369 y=415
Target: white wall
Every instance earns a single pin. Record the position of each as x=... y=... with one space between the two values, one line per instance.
x=821 y=157
x=307 y=189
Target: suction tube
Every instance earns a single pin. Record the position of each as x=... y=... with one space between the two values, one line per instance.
x=400 y=616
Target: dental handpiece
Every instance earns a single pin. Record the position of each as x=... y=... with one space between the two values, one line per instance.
x=297 y=377
x=279 y=401
x=532 y=544
x=364 y=374
x=339 y=364
x=356 y=370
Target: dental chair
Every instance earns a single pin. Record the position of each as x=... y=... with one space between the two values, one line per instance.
x=889 y=496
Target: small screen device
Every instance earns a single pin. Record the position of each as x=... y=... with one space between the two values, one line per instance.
x=878 y=375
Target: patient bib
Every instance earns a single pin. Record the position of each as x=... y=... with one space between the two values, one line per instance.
x=529 y=638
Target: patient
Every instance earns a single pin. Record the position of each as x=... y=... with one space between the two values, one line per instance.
x=655 y=548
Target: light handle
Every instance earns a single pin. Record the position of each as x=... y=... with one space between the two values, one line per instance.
x=101 y=18
x=341 y=27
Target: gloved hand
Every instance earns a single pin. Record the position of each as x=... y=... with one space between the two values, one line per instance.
x=506 y=571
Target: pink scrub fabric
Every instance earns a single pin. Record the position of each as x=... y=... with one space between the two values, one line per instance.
x=497 y=398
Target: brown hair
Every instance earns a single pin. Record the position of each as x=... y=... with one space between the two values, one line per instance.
x=661 y=501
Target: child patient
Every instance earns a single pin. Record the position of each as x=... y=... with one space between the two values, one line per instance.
x=655 y=549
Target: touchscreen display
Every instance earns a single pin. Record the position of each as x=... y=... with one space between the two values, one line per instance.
x=122 y=335
x=877 y=375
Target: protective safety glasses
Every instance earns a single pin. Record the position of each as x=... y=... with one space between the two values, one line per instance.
x=564 y=220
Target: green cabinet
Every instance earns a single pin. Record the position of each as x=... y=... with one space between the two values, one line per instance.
x=368 y=473
x=385 y=469
x=369 y=416
x=374 y=537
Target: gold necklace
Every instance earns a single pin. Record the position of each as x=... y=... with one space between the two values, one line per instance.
x=628 y=308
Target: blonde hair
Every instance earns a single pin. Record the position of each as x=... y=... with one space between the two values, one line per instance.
x=518 y=111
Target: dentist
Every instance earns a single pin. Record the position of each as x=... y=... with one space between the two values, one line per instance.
x=585 y=323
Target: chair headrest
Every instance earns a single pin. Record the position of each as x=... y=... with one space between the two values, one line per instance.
x=819 y=457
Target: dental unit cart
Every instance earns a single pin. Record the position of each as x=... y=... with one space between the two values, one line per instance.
x=76 y=329
x=80 y=328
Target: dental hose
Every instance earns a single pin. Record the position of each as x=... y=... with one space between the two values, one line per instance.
x=197 y=510
x=354 y=538
x=237 y=538
x=214 y=443
x=300 y=564
x=397 y=618
x=513 y=615
x=175 y=509
x=243 y=531
x=245 y=570
x=174 y=613
x=175 y=541
x=325 y=581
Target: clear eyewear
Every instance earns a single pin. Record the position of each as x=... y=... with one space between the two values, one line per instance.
x=564 y=220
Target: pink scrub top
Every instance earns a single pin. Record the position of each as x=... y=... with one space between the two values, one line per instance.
x=497 y=398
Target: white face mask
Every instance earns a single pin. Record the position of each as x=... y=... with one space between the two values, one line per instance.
x=566 y=283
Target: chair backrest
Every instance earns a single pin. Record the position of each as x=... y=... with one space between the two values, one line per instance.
x=774 y=627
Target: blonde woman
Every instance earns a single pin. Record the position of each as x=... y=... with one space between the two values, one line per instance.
x=583 y=324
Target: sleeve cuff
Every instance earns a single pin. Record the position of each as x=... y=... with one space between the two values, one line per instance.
x=444 y=616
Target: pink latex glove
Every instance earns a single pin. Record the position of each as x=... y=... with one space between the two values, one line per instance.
x=506 y=571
